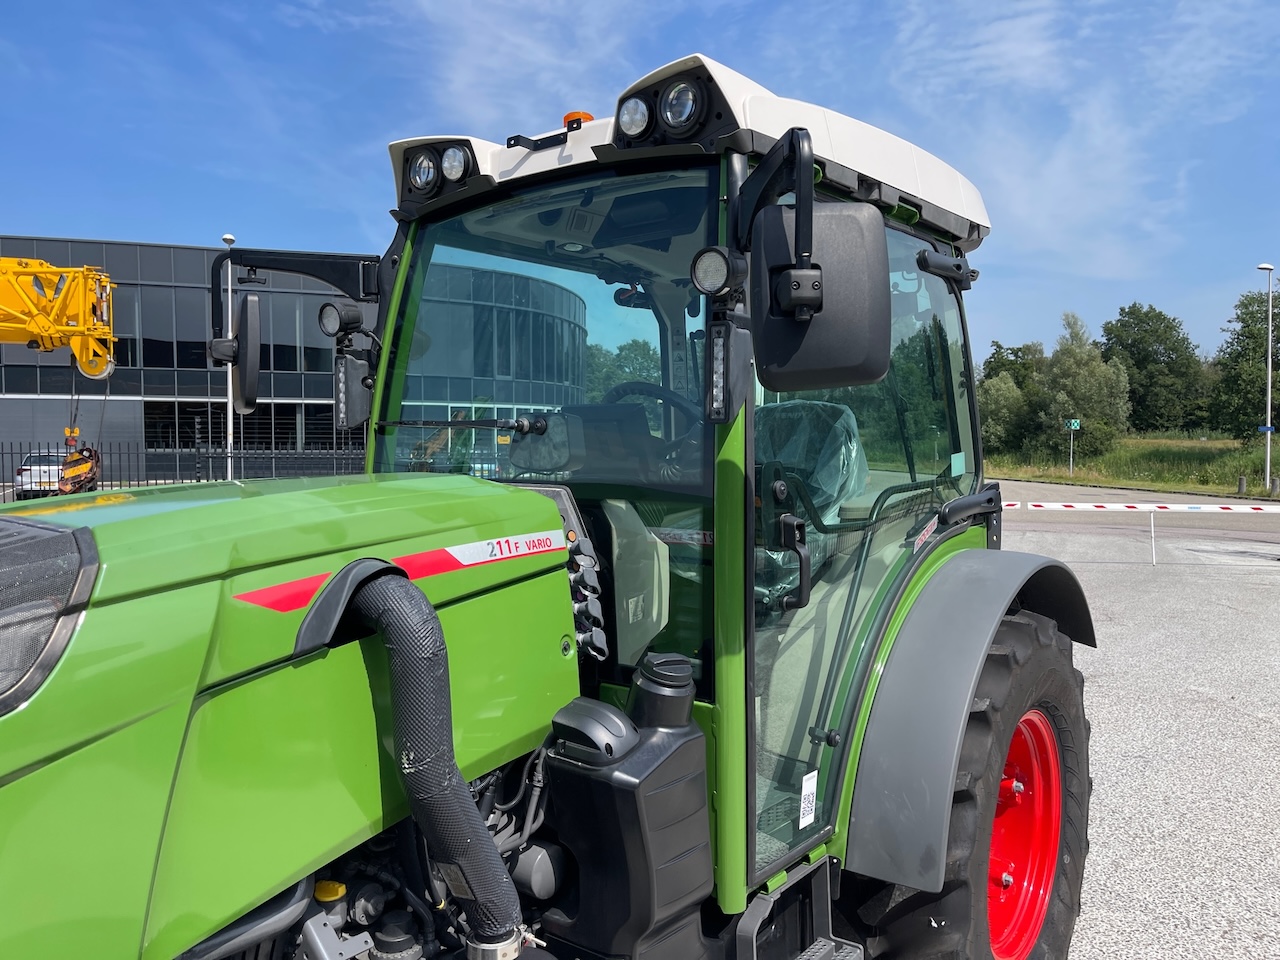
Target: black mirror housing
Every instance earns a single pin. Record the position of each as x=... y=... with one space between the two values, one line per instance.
x=846 y=341
x=244 y=372
x=562 y=446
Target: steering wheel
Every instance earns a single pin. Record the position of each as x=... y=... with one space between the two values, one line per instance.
x=640 y=388
x=679 y=454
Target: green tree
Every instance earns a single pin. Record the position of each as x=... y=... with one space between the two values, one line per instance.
x=1238 y=400
x=633 y=360
x=1023 y=363
x=1166 y=377
x=639 y=360
x=1002 y=410
x=601 y=371
x=1079 y=384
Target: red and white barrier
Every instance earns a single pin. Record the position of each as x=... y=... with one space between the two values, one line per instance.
x=1153 y=507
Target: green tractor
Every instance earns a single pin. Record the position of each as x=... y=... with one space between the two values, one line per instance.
x=669 y=619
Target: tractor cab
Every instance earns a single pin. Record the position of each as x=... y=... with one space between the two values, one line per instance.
x=723 y=332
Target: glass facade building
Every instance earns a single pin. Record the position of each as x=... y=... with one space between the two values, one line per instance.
x=517 y=345
x=165 y=393
x=521 y=340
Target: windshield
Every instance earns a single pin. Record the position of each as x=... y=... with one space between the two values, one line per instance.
x=573 y=299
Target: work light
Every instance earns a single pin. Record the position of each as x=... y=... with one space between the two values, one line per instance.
x=337 y=319
x=422 y=172
x=453 y=164
x=679 y=105
x=717 y=270
x=633 y=117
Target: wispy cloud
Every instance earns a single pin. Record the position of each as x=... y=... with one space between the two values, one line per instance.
x=1063 y=114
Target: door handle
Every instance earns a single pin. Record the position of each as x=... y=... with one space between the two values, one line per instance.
x=794 y=539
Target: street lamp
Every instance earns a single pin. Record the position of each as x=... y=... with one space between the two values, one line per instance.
x=1267 y=470
x=229 y=240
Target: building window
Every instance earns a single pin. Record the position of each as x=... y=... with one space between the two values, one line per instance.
x=160 y=424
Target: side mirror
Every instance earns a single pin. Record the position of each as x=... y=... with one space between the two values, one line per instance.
x=562 y=447
x=240 y=351
x=846 y=340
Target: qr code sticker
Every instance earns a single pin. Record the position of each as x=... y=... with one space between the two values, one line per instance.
x=808 y=798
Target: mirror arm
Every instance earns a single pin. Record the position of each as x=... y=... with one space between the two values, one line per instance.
x=774 y=176
x=353 y=274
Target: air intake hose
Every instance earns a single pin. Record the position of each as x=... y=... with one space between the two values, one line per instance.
x=440 y=799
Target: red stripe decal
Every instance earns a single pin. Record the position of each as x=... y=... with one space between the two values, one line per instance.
x=428 y=564
x=285 y=597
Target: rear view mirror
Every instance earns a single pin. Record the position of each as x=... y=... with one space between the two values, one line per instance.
x=846 y=340
x=240 y=352
x=560 y=448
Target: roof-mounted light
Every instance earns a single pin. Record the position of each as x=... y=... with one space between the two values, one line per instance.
x=679 y=104
x=682 y=107
x=423 y=172
x=633 y=117
x=454 y=163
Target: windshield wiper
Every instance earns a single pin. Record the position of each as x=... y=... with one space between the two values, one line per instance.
x=536 y=425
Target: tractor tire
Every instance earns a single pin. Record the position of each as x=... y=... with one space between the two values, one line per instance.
x=1018 y=836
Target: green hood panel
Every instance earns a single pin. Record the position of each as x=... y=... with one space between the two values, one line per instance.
x=273 y=544
x=154 y=538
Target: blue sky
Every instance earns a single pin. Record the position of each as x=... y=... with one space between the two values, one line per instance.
x=1127 y=149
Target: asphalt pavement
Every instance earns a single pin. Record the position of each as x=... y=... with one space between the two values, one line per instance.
x=1183 y=693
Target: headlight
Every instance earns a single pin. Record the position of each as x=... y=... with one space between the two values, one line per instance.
x=453 y=164
x=422 y=172
x=679 y=105
x=633 y=117
x=47 y=573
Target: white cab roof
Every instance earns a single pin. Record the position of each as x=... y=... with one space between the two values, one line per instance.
x=870 y=151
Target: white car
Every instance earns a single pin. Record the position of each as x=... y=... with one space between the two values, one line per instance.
x=37 y=476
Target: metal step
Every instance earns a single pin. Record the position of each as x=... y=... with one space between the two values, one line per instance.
x=823 y=949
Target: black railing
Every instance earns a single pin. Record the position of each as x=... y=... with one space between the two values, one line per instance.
x=125 y=465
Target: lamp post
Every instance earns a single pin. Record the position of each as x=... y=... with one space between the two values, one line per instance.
x=1267 y=470
x=230 y=240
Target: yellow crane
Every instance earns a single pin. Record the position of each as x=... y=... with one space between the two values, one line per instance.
x=48 y=307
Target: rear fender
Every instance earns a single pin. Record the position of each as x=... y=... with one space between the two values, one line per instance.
x=911 y=750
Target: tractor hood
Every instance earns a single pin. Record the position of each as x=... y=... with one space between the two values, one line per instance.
x=270 y=547
x=257 y=534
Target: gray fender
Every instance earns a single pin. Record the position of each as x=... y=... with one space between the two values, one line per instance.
x=911 y=750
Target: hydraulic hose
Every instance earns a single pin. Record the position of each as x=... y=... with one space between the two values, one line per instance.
x=439 y=798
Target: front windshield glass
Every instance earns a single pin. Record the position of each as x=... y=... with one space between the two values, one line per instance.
x=573 y=299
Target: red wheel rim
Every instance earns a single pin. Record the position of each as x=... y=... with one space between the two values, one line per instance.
x=1024 y=839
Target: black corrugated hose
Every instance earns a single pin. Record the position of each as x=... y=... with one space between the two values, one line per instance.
x=438 y=796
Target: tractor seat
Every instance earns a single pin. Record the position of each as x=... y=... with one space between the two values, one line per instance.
x=816 y=443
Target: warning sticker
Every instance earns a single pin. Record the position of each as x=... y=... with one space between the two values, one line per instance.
x=927 y=532
x=808 y=798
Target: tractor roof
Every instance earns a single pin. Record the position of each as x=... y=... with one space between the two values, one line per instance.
x=874 y=155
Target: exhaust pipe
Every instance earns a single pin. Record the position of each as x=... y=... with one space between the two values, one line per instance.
x=440 y=799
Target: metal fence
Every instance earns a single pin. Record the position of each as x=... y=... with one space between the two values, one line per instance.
x=127 y=465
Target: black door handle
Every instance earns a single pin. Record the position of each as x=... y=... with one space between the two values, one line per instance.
x=794 y=539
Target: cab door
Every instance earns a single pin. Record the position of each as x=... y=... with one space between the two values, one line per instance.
x=863 y=470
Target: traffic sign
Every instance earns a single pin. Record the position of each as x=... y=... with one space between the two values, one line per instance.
x=1073 y=424
x=1266 y=429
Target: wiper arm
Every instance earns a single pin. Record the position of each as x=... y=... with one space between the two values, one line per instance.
x=536 y=425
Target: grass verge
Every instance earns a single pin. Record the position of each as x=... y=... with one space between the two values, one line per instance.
x=1150 y=463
